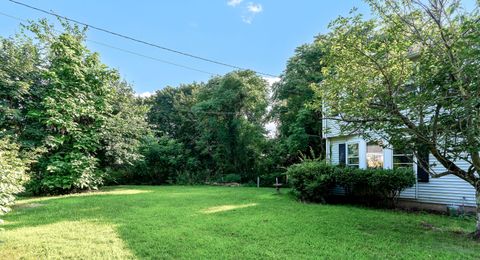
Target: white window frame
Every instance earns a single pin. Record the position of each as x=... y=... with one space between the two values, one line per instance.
x=347 y=154
x=382 y=154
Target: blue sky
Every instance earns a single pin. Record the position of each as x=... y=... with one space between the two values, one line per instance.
x=258 y=34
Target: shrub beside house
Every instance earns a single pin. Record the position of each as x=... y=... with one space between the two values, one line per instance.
x=316 y=181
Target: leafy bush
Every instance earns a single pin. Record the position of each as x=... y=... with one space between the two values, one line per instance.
x=12 y=174
x=163 y=162
x=312 y=180
x=65 y=173
x=375 y=185
x=232 y=177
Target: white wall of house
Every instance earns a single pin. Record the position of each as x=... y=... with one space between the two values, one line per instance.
x=445 y=190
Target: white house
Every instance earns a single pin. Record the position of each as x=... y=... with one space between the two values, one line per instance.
x=429 y=193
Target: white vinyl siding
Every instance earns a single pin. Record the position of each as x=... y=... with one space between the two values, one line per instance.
x=448 y=189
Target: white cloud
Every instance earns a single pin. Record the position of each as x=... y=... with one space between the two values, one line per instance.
x=254 y=8
x=234 y=2
x=251 y=10
x=247 y=19
x=144 y=94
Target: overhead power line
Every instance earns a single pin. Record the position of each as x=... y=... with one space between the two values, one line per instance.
x=126 y=51
x=148 y=57
x=137 y=40
x=152 y=58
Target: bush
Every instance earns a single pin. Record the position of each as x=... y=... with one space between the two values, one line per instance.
x=374 y=186
x=65 y=173
x=231 y=178
x=12 y=174
x=312 y=180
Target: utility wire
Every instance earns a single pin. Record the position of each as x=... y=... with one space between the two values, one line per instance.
x=148 y=57
x=137 y=40
x=126 y=51
x=152 y=58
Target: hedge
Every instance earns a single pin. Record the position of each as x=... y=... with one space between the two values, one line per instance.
x=314 y=180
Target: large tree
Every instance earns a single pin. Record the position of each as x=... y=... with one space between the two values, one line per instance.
x=171 y=112
x=299 y=123
x=68 y=109
x=230 y=116
x=410 y=76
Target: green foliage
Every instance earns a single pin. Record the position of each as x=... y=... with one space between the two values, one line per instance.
x=12 y=174
x=218 y=124
x=19 y=69
x=231 y=114
x=67 y=109
x=164 y=162
x=231 y=178
x=374 y=185
x=164 y=158
x=314 y=180
x=72 y=109
x=410 y=76
x=299 y=123
x=124 y=129
x=85 y=126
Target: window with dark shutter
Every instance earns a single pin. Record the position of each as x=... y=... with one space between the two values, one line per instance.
x=423 y=165
x=342 y=155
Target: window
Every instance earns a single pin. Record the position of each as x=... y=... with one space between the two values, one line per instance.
x=402 y=159
x=352 y=155
x=423 y=164
x=374 y=155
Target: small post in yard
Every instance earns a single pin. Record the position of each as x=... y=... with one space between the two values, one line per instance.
x=258 y=182
x=277 y=185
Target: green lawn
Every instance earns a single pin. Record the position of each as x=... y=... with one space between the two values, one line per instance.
x=220 y=222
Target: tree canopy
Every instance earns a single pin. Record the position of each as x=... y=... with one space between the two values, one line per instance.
x=299 y=122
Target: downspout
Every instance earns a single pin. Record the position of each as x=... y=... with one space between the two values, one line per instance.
x=416 y=176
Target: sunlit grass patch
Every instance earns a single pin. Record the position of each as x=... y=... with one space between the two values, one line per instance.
x=64 y=240
x=227 y=208
x=119 y=191
x=29 y=205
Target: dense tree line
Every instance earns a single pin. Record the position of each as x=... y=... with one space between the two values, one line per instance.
x=299 y=121
x=76 y=125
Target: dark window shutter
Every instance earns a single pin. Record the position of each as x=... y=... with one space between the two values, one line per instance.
x=342 y=155
x=423 y=160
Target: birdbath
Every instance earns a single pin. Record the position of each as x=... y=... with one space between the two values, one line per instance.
x=277 y=185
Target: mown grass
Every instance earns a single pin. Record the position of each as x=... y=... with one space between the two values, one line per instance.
x=219 y=222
